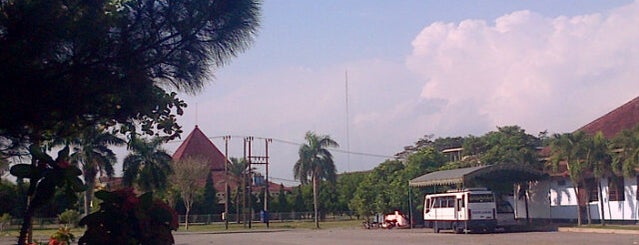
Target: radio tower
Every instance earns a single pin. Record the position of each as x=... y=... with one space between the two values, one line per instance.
x=348 y=140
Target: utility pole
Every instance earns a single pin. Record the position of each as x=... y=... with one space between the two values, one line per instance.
x=249 y=141
x=226 y=181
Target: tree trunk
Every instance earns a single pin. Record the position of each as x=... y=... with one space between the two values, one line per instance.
x=603 y=219
x=25 y=230
x=88 y=196
x=315 y=201
x=186 y=219
x=576 y=189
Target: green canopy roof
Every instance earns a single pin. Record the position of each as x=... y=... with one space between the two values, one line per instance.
x=464 y=176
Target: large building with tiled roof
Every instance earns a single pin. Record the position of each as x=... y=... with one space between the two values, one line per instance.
x=555 y=198
x=198 y=145
x=610 y=124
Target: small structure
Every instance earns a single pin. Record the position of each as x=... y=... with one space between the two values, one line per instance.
x=478 y=176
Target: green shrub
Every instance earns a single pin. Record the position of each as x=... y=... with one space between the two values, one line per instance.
x=5 y=221
x=70 y=217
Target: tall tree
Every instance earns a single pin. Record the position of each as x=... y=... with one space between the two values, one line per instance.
x=315 y=162
x=109 y=62
x=568 y=149
x=147 y=166
x=510 y=145
x=626 y=148
x=188 y=177
x=92 y=154
x=238 y=169
x=209 y=203
x=599 y=161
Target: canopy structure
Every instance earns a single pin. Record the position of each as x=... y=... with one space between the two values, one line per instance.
x=481 y=174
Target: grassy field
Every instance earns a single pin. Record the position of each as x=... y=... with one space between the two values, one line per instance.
x=42 y=233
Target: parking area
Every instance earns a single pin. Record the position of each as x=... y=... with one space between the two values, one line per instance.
x=354 y=236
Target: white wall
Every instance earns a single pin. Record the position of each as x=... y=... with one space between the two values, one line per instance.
x=549 y=200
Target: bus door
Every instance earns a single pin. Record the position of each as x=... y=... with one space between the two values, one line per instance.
x=460 y=208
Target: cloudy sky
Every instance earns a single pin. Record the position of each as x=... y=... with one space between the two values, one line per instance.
x=447 y=68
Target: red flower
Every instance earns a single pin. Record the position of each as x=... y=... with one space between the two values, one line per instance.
x=63 y=164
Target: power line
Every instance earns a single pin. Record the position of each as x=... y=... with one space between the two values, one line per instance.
x=299 y=144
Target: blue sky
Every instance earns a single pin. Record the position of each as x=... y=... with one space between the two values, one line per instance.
x=447 y=68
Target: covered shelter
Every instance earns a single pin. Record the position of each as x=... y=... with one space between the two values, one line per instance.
x=497 y=177
x=487 y=175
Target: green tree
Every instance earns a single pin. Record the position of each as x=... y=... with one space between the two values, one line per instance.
x=282 y=201
x=113 y=57
x=424 y=161
x=147 y=165
x=626 y=147
x=297 y=200
x=569 y=148
x=315 y=162
x=110 y=63
x=510 y=145
x=238 y=171
x=92 y=154
x=209 y=203
x=187 y=178
x=599 y=159
x=347 y=184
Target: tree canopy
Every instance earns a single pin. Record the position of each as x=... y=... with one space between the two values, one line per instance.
x=67 y=65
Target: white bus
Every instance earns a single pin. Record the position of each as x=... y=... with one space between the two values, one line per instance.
x=463 y=210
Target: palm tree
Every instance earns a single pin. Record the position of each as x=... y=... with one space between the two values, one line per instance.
x=238 y=169
x=316 y=162
x=93 y=156
x=598 y=158
x=568 y=148
x=148 y=166
x=626 y=147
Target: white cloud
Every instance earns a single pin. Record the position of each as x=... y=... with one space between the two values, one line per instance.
x=526 y=69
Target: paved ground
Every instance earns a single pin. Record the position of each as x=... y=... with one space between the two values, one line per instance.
x=356 y=236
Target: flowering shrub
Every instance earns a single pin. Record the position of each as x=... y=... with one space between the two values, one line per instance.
x=124 y=218
x=61 y=237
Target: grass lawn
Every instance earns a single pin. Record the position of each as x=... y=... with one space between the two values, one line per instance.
x=42 y=233
x=219 y=227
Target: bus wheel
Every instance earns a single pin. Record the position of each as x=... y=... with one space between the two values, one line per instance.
x=457 y=229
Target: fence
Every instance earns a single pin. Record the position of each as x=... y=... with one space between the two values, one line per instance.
x=273 y=217
x=215 y=218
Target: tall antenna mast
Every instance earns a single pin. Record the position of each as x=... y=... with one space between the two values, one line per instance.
x=348 y=140
x=196 y=108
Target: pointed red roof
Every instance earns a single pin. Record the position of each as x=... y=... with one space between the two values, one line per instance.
x=198 y=145
x=624 y=117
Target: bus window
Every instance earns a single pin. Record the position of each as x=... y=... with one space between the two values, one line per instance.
x=427 y=206
x=480 y=198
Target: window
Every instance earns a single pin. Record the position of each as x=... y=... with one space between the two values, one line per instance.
x=593 y=191
x=615 y=189
x=474 y=198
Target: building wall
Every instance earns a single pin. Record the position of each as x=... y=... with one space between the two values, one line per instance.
x=556 y=199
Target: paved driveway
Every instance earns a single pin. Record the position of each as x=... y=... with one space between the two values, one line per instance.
x=354 y=236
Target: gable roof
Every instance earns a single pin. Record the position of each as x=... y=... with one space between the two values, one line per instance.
x=610 y=124
x=198 y=145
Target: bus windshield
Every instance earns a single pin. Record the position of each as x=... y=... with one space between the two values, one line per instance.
x=480 y=198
